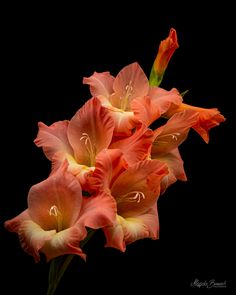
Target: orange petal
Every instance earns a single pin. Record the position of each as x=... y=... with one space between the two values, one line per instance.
x=130 y=229
x=65 y=242
x=124 y=121
x=55 y=202
x=109 y=165
x=14 y=224
x=175 y=166
x=164 y=99
x=138 y=188
x=98 y=211
x=208 y=118
x=148 y=109
x=131 y=82
x=90 y=131
x=174 y=132
x=115 y=235
x=34 y=239
x=100 y=84
x=135 y=147
x=53 y=139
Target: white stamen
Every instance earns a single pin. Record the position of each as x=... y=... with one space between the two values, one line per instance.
x=91 y=149
x=125 y=97
x=173 y=136
x=137 y=197
x=54 y=211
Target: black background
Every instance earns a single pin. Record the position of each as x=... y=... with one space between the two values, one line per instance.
x=46 y=51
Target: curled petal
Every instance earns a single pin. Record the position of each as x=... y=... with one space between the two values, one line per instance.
x=145 y=110
x=164 y=99
x=208 y=118
x=101 y=84
x=135 y=147
x=115 y=235
x=130 y=229
x=124 y=121
x=32 y=238
x=176 y=168
x=98 y=211
x=14 y=224
x=109 y=165
x=53 y=139
x=150 y=108
x=142 y=226
x=65 y=242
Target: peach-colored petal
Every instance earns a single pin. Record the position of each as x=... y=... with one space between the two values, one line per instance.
x=131 y=229
x=32 y=238
x=110 y=163
x=14 y=223
x=164 y=99
x=55 y=202
x=124 y=121
x=53 y=139
x=141 y=226
x=131 y=82
x=175 y=165
x=115 y=235
x=148 y=109
x=101 y=84
x=138 y=188
x=135 y=147
x=208 y=118
x=174 y=132
x=90 y=131
x=145 y=110
x=65 y=242
x=98 y=211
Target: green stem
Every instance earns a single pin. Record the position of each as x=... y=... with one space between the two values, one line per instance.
x=154 y=78
x=59 y=265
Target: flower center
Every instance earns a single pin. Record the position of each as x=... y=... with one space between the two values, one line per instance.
x=124 y=103
x=90 y=148
x=135 y=196
x=54 y=211
x=173 y=136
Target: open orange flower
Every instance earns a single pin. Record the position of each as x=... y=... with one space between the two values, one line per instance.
x=57 y=216
x=79 y=140
x=129 y=98
x=135 y=189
